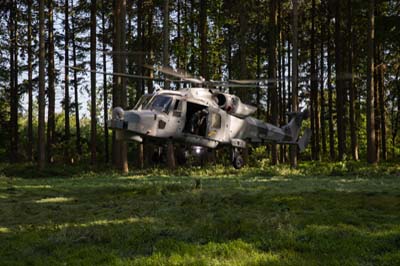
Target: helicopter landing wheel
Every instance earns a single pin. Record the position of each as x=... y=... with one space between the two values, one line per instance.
x=237 y=159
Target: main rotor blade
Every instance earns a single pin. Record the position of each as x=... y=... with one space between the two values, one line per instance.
x=116 y=74
x=253 y=81
x=123 y=52
x=127 y=75
x=172 y=72
x=232 y=85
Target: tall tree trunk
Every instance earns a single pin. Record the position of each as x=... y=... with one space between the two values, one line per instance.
x=340 y=90
x=130 y=83
x=42 y=103
x=371 y=145
x=330 y=93
x=243 y=30
x=148 y=148
x=396 y=117
x=229 y=54
x=66 y=82
x=30 y=85
x=272 y=74
x=140 y=42
x=179 y=36
x=76 y=94
x=166 y=59
x=170 y=155
x=295 y=99
x=93 y=94
x=14 y=98
x=51 y=127
x=352 y=88
x=193 y=60
x=314 y=90
x=281 y=73
x=115 y=154
x=119 y=90
x=166 y=38
x=140 y=92
x=376 y=106
x=203 y=38
x=150 y=45
x=289 y=89
x=258 y=49
x=105 y=92
x=322 y=91
x=381 y=95
x=185 y=25
x=382 y=111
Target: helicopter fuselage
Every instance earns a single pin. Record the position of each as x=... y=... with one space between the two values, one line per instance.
x=197 y=116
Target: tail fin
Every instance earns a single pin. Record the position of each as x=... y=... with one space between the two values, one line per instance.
x=292 y=129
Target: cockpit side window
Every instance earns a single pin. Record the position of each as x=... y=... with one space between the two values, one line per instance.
x=177 y=110
x=143 y=101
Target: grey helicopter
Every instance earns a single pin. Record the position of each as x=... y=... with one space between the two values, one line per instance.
x=203 y=116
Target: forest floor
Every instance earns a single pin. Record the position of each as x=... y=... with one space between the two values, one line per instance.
x=319 y=214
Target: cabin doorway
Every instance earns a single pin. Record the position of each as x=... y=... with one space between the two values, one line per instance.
x=196 y=119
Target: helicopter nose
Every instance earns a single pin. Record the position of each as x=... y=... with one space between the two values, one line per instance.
x=132 y=117
x=142 y=122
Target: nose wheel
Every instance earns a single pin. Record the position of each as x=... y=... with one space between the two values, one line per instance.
x=237 y=159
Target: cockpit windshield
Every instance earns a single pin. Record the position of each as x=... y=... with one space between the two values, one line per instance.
x=159 y=103
x=143 y=101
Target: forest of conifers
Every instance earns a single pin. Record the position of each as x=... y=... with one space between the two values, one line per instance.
x=338 y=58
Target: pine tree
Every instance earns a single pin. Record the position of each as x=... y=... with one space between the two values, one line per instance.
x=51 y=127
x=41 y=98
x=93 y=93
x=295 y=101
x=119 y=86
x=66 y=81
x=371 y=144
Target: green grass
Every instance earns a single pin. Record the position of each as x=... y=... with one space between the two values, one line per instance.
x=320 y=214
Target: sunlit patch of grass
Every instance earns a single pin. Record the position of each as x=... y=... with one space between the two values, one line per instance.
x=54 y=200
x=318 y=214
x=102 y=222
x=279 y=179
x=237 y=252
x=356 y=180
x=33 y=186
x=4 y=230
x=131 y=177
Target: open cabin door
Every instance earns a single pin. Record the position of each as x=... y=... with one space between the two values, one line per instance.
x=215 y=125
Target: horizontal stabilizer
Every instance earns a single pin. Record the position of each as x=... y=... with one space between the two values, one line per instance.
x=304 y=140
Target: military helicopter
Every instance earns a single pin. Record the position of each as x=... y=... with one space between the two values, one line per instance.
x=203 y=116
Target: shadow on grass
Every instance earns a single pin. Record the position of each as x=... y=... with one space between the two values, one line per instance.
x=29 y=170
x=168 y=221
x=257 y=218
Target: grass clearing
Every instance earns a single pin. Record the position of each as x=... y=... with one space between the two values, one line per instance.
x=319 y=214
